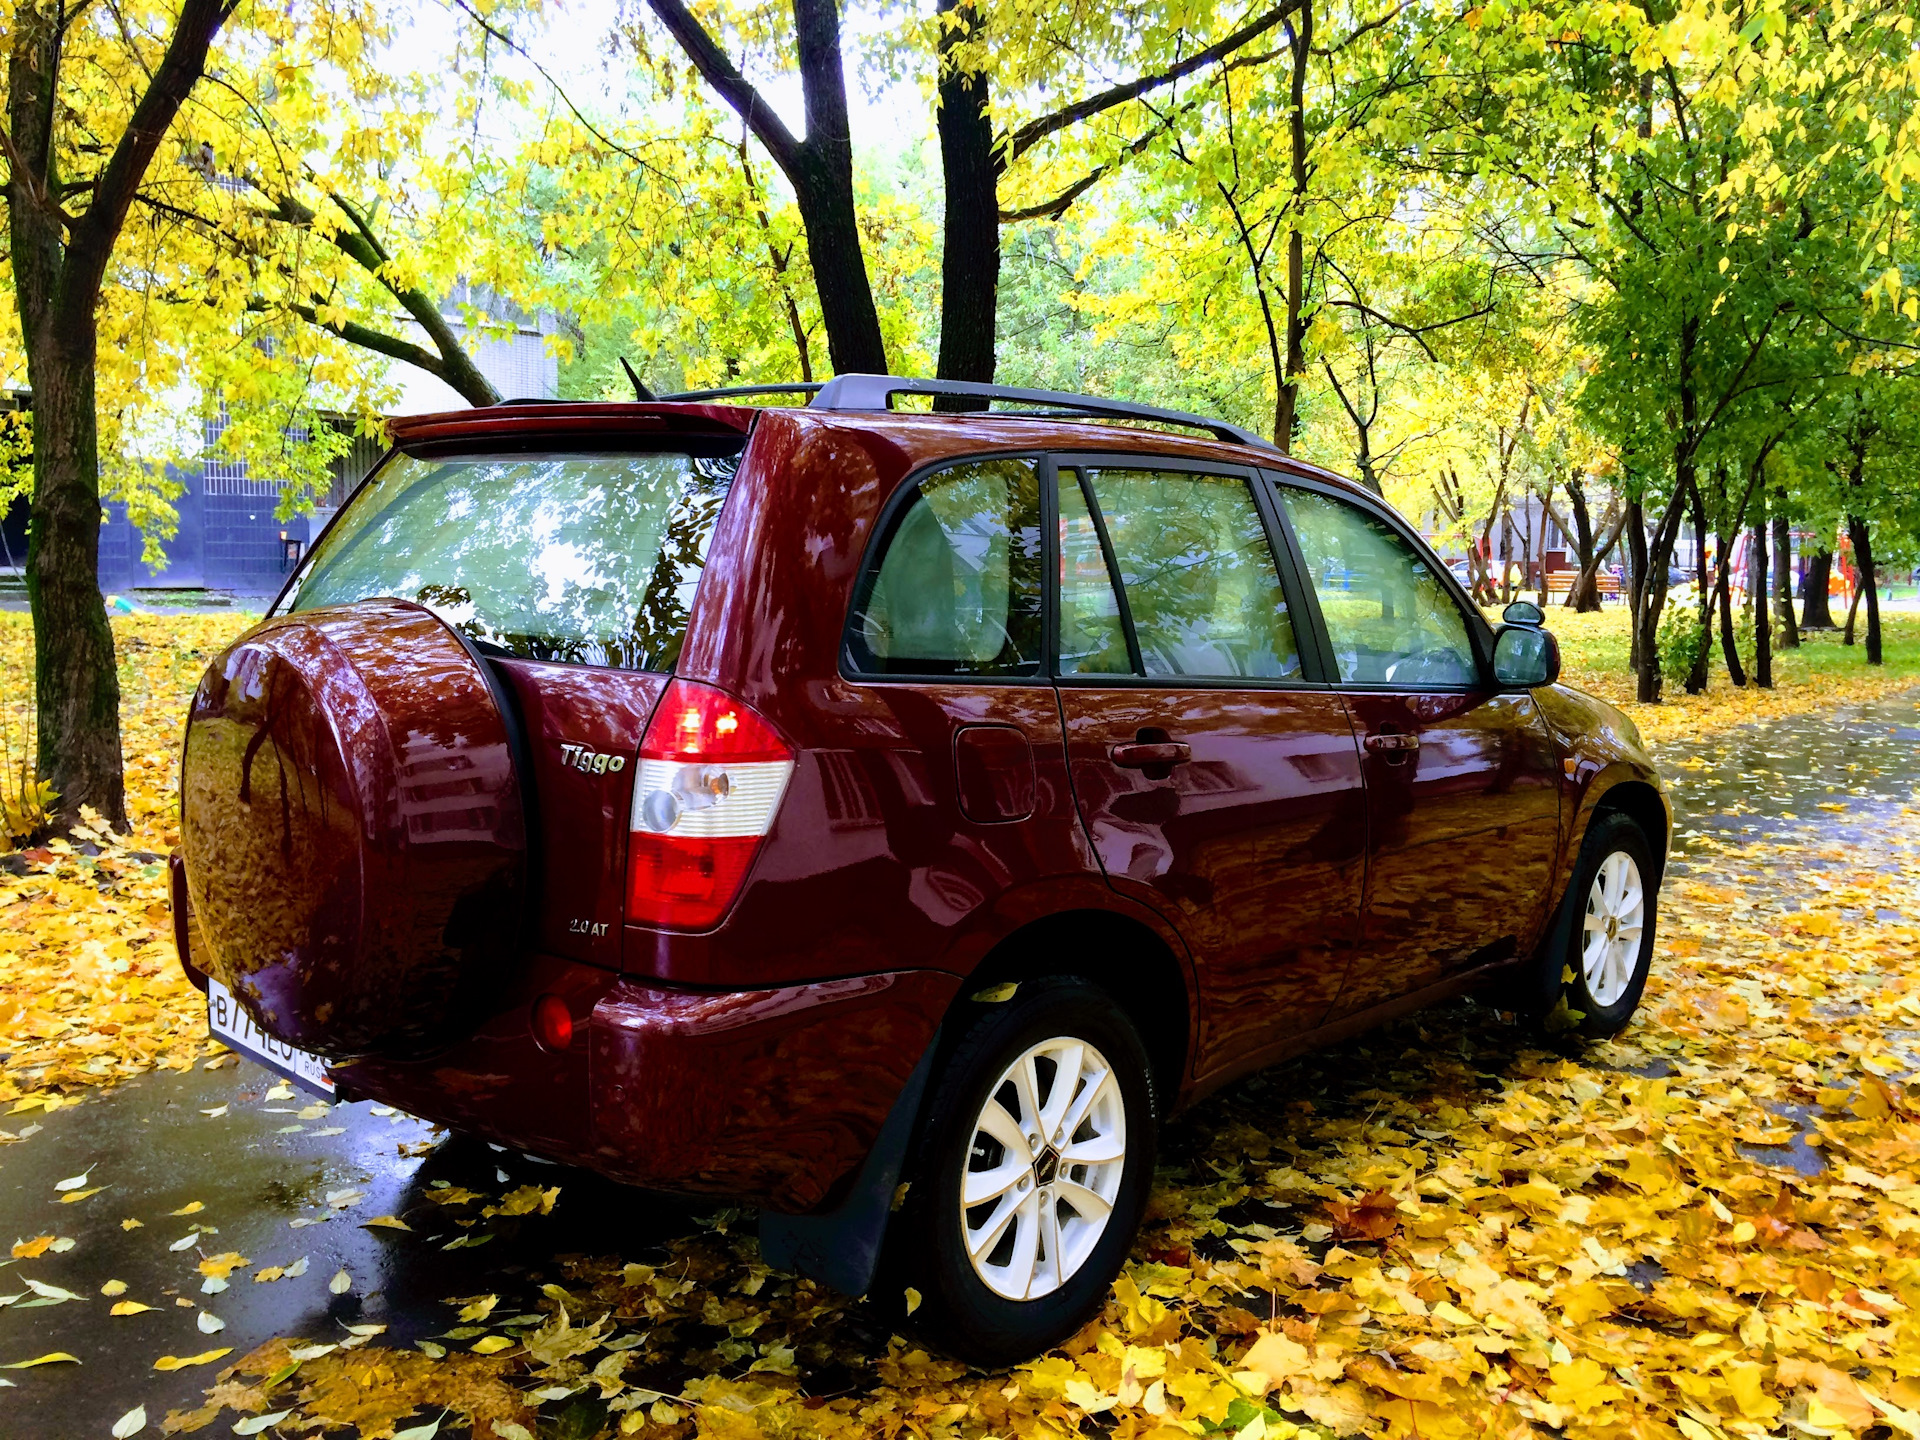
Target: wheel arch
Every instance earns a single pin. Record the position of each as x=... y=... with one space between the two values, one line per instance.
x=1122 y=955
x=1643 y=804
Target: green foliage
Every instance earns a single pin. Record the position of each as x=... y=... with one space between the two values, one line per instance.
x=1680 y=636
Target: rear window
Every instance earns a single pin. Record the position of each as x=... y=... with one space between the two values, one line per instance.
x=577 y=557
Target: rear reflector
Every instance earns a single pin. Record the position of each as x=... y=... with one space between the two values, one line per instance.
x=710 y=779
x=552 y=1022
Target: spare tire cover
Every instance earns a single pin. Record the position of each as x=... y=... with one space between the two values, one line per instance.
x=353 y=828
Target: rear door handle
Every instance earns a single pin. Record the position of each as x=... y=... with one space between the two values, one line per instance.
x=1145 y=754
x=1392 y=743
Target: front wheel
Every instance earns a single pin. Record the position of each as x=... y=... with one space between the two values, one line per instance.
x=1602 y=944
x=1030 y=1177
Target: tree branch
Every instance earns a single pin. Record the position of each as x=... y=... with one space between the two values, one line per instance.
x=725 y=77
x=180 y=68
x=1036 y=130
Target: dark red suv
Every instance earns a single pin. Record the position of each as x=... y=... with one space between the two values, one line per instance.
x=885 y=819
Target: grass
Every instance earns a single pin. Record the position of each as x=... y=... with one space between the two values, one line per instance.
x=1820 y=674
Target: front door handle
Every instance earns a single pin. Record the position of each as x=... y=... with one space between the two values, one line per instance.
x=1149 y=754
x=1394 y=744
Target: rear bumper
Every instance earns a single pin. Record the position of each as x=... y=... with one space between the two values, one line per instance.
x=772 y=1097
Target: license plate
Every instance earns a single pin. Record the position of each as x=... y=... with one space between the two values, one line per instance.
x=235 y=1028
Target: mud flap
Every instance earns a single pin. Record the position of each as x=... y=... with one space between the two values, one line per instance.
x=841 y=1247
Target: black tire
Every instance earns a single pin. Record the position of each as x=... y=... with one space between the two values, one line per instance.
x=957 y=1311
x=1561 y=973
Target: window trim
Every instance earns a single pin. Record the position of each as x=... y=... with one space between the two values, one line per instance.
x=1479 y=633
x=1315 y=673
x=1123 y=605
x=882 y=534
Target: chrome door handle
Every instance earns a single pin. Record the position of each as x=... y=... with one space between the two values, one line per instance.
x=1144 y=754
x=1393 y=743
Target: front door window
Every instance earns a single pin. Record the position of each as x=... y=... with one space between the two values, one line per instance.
x=1390 y=619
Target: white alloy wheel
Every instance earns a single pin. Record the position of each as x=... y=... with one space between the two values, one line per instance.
x=1043 y=1171
x=1610 y=944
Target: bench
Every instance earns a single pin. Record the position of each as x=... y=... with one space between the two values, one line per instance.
x=1560 y=582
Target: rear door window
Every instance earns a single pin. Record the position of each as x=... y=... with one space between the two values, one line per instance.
x=590 y=558
x=956 y=587
x=1201 y=586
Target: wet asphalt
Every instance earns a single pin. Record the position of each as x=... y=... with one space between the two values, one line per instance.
x=277 y=1186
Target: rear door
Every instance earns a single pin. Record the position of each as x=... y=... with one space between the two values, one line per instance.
x=1218 y=779
x=1462 y=778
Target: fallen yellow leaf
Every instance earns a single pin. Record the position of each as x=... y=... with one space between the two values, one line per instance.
x=180 y=1362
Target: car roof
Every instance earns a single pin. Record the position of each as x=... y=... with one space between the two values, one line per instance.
x=919 y=438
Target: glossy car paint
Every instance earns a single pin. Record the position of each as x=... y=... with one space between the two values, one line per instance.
x=927 y=823
x=776 y=1093
x=580 y=813
x=1464 y=833
x=352 y=827
x=1254 y=849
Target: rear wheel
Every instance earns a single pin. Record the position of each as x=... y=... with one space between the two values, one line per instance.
x=1030 y=1177
x=1602 y=944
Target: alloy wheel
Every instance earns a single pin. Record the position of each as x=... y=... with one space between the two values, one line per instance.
x=1043 y=1171
x=1610 y=942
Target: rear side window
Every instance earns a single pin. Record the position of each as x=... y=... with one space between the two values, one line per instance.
x=955 y=587
x=577 y=557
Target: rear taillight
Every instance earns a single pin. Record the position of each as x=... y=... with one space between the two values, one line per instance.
x=711 y=776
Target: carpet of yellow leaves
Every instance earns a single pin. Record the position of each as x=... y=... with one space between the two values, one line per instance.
x=90 y=988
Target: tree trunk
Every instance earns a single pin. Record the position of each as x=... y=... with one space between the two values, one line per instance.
x=1868 y=586
x=1729 y=646
x=1653 y=586
x=75 y=673
x=1697 y=676
x=1783 y=580
x=1762 y=630
x=1286 y=409
x=820 y=167
x=59 y=263
x=1816 y=611
x=970 y=244
x=1636 y=533
x=824 y=192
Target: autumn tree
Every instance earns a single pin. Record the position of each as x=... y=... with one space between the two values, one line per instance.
x=90 y=100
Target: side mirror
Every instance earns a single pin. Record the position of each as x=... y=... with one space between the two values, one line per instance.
x=1525 y=656
x=1523 y=612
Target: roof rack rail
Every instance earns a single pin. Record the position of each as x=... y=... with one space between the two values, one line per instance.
x=876 y=392
x=727 y=392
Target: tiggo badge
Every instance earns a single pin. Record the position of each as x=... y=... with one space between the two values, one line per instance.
x=591 y=762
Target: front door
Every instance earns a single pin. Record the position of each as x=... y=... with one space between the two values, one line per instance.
x=1217 y=783
x=1462 y=779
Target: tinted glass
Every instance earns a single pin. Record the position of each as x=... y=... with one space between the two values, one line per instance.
x=956 y=590
x=1092 y=640
x=589 y=558
x=1200 y=580
x=1390 y=619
